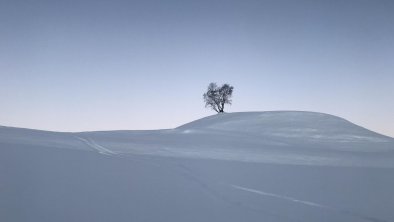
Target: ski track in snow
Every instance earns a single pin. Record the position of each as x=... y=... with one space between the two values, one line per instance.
x=216 y=193
x=308 y=203
x=280 y=197
x=102 y=150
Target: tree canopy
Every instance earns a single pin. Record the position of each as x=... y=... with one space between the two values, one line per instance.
x=215 y=97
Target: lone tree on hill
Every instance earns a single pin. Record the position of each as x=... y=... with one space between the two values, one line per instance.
x=216 y=97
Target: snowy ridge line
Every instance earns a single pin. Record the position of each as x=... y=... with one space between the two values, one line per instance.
x=308 y=203
x=91 y=143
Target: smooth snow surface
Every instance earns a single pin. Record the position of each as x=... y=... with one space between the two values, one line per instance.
x=255 y=166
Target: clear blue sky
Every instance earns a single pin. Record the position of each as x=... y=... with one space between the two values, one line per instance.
x=100 y=65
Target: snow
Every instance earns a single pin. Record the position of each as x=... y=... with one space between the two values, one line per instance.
x=97 y=147
x=252 y=166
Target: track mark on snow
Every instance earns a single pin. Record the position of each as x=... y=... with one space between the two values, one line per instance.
x=102 y=150
x=308 y=203
x=280 y=197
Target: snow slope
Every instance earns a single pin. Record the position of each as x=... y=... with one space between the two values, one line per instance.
x=252 y=166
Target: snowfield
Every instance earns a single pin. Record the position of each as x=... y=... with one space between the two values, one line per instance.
x=253 y=166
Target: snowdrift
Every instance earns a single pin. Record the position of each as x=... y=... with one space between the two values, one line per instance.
x=252 y=166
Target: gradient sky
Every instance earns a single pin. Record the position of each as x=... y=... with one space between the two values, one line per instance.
x=102 y=65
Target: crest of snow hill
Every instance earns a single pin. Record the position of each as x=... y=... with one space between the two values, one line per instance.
x=288 y=124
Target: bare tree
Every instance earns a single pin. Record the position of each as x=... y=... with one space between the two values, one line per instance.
x=216 y=97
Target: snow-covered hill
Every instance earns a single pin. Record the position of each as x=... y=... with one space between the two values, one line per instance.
x=252 y=166
x=285 y=124
x=302 y=138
